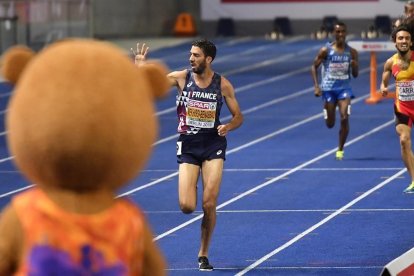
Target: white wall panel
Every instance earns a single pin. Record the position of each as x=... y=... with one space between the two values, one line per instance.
x=215 y=9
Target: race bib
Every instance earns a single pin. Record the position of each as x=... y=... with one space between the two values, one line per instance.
x=201 y=114
x=338 y=70
x=405 y=90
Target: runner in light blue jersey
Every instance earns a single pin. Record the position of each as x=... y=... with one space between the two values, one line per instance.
x=339 y=61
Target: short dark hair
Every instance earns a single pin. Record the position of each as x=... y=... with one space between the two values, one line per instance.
x=401 y=27
x=208 y=47
x=340 y=23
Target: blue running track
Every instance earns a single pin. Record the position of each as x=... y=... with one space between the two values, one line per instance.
x=286 y=206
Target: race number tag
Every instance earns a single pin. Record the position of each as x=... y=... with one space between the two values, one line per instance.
x=405 y=90
x=338 y=70
x=201 y=114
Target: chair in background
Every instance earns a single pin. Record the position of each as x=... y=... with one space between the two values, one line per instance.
x=282 y=24
x=328 y=22
x=326 y=28
x=383 y=24
x=225 y=27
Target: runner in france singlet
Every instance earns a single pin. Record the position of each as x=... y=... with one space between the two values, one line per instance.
x=198 y=109
x=336 y=69
x=404 y=85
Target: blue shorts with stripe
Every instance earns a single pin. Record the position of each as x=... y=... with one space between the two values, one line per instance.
x=332 y=96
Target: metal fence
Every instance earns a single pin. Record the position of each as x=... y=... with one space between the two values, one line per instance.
x=36 y=23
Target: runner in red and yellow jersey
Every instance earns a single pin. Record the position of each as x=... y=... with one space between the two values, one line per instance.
x=400 y=66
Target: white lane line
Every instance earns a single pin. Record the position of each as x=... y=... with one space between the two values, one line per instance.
x=272 y=180
x=16 y=191
x=314 y=169
x=322 y=222
x=313 y=211
x=288 y=211
x=276 y=269
x=280 y=169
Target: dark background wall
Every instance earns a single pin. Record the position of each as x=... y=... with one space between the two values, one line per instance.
x=39 y=22
x=140 y=18
x=131 y=18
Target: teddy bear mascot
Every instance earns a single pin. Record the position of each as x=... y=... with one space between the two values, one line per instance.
x=80 y=124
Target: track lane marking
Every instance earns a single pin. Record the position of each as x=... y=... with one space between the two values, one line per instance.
x=317 y=225
x=274 y=179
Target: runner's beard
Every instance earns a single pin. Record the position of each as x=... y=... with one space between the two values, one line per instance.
x=402 y=53
x=200 y=69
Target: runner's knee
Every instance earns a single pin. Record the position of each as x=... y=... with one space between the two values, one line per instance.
x=344 y=120
x=187 y=208
x=405 y=140
x=330 y=123
x=209 y=205
x=329 y=118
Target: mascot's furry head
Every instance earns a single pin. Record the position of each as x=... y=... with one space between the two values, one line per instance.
x=82 y=115
x=80 y=123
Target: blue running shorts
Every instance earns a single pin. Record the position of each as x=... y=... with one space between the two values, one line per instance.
x=332 y=96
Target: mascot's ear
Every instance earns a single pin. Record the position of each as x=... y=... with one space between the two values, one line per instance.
x=156 y=73
x=13 y=62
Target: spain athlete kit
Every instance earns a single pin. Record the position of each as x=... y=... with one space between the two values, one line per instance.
x=198 y=111
x=404 y=94
x=336 y=74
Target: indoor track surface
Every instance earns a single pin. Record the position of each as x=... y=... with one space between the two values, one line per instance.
x=286 y=206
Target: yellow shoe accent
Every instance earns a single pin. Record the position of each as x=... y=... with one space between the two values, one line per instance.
x=410 y=189
x=339 y=155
